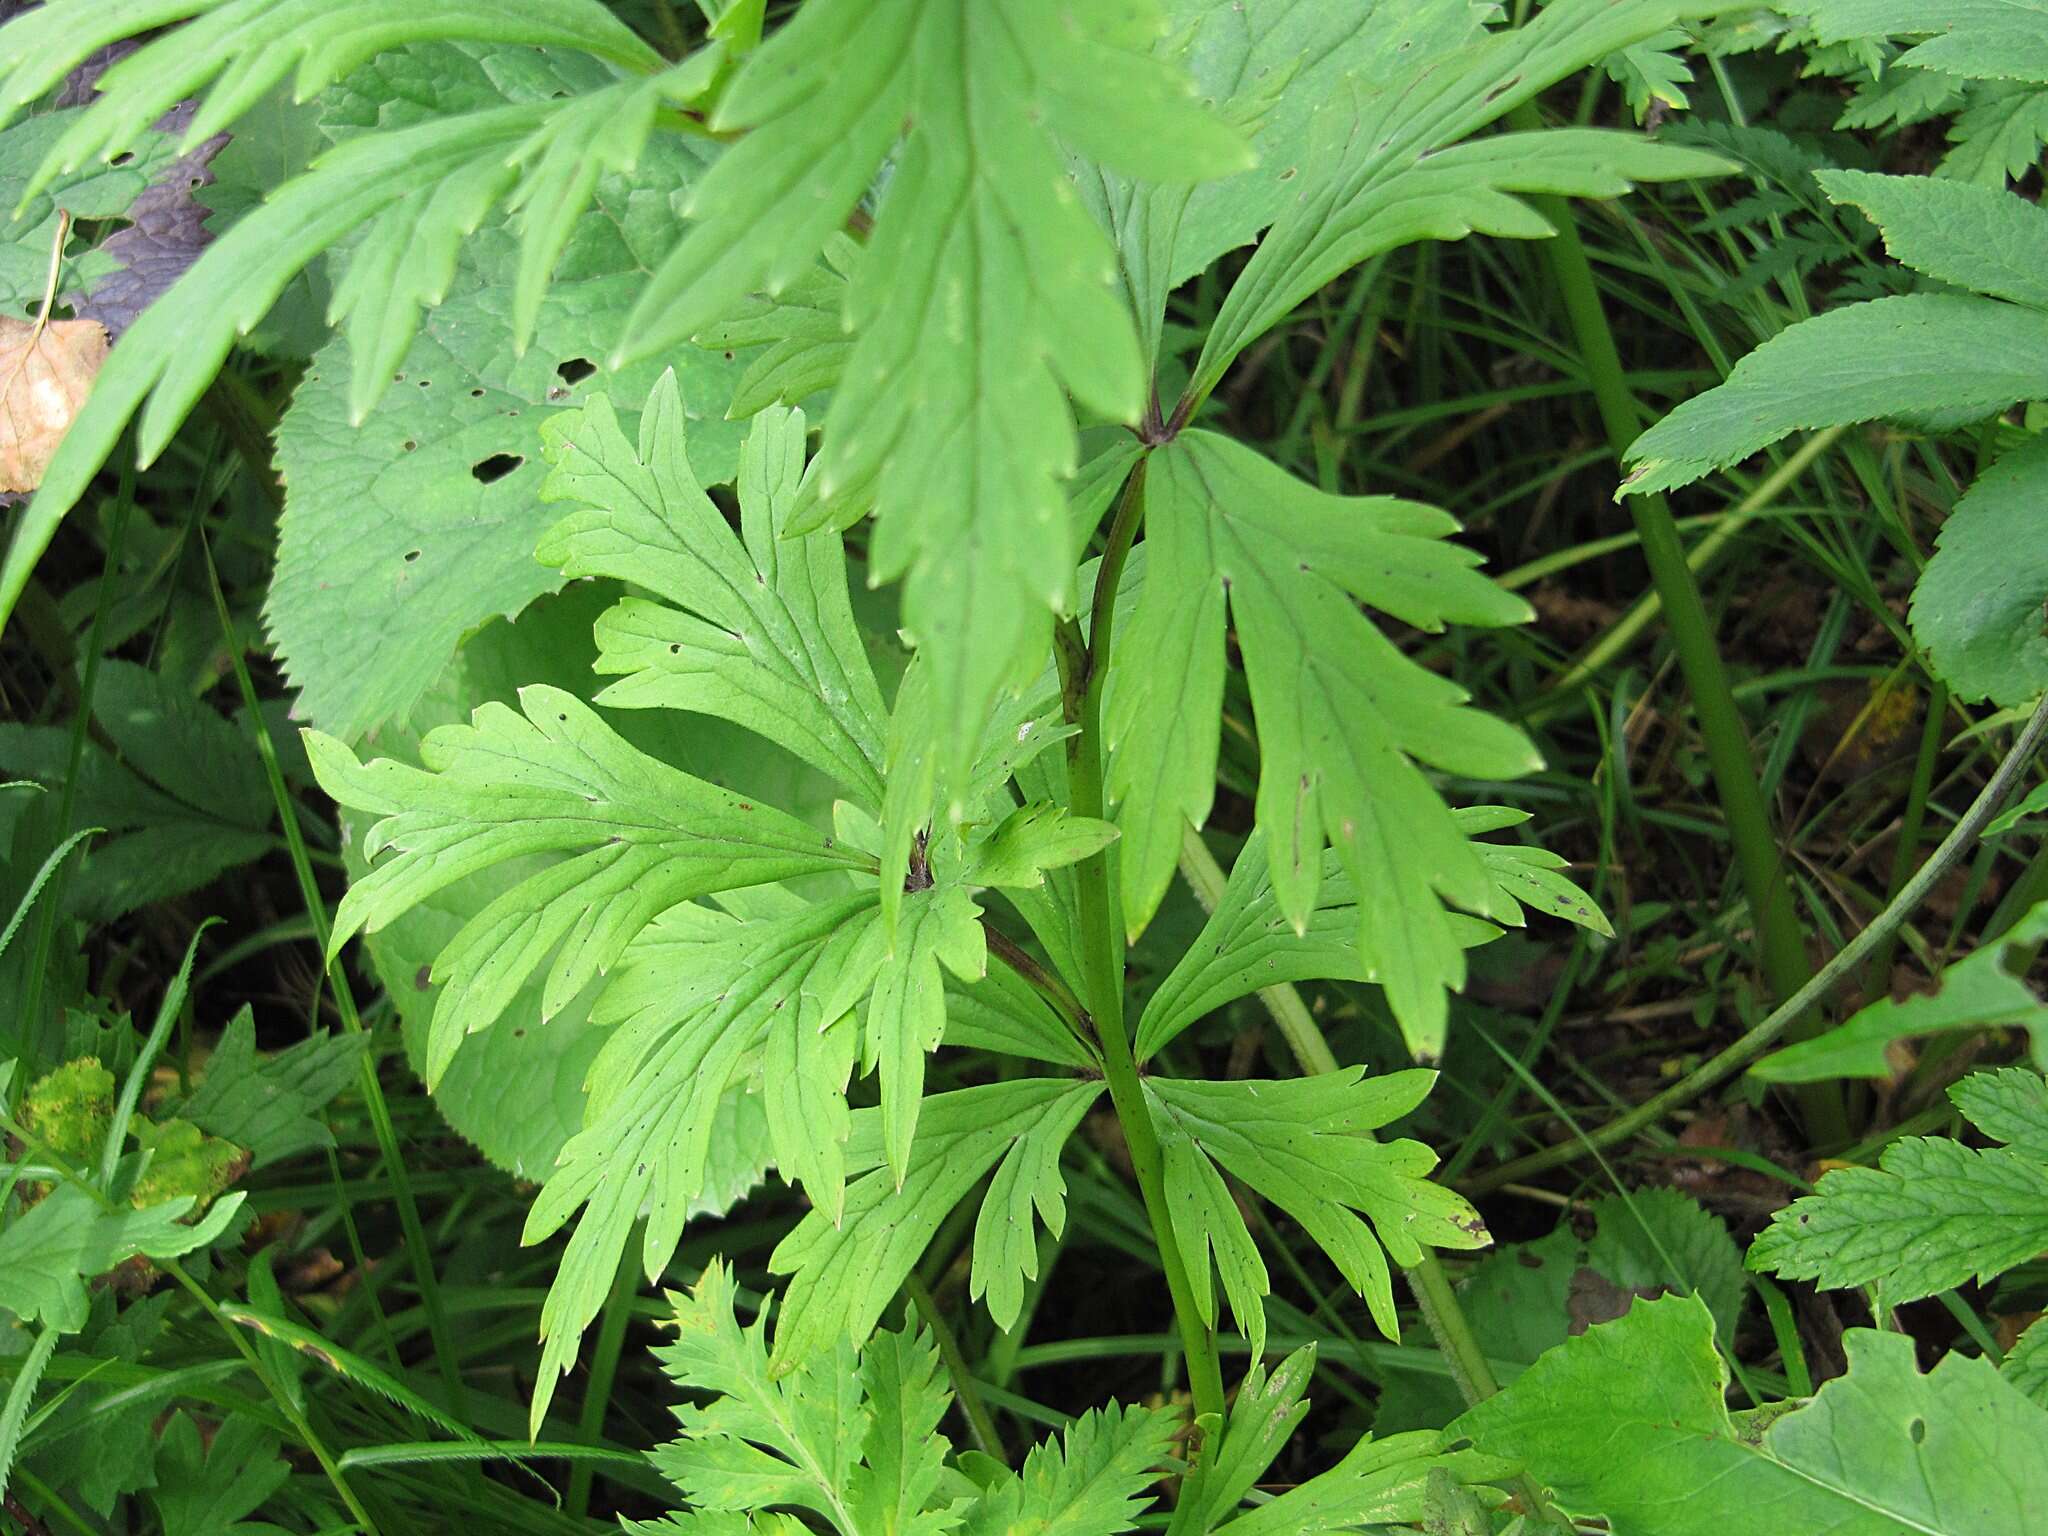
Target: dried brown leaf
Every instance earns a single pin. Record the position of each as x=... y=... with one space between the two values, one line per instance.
x=44 y=379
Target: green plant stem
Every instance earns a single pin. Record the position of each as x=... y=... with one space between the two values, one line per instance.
x=1726 y=527
x=1781 y=947
x=1102 y=945
x=1877 y=975
x=604 y=1369
x=1758 y=1040
x=965 y=1390
x=418 y=1251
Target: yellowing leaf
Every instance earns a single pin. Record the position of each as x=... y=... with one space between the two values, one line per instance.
x=45 y=374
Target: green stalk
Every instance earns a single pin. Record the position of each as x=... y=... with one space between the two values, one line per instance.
x=418 y=1251
x=1781 y=946
x=1764 y=1035
x=604 y=1369
x=1102 y=945
x=966 y=1391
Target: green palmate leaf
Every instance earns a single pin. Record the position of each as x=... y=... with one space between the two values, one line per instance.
x=1032 y=839
x=1092 y=1483
x=1979 y=39
x=760 y=633
x=185 y=800
x=1344 y=718
x=1889 y=357
x=984 y=296
x=1229 y=1458
x=49 y=1252
x=1998 y=137
x=640 y=837
x=1986 y=989
x=1934 y=1213
x=205 y=1486
x=1977 y=607
x=1306 y=1145
x=852 y=1438
x=1386 y=168
x=1629 y=1422
x=801 y=333
x=700 y=999
x=846 y=1273
x=271 y=1107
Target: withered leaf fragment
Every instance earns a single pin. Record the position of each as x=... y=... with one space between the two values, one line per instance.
x=44 y=379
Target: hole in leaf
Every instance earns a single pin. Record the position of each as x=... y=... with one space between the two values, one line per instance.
x=476 y=394
x=496 y=467
x=408 y=445
x=1917 y=1430
x=575 y=370
x=126 y=157
x=411 y=555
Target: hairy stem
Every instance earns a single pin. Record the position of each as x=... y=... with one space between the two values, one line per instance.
x=1102 y=945
x=1781 y=947
x=1761 y=1038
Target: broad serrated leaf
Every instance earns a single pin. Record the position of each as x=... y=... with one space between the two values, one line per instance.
x=1345 y=720
x=1629 y=1422
x=1977 y=607
x=1893 y=357
x=49 y=1252
x=402 y=535
x=1990 y=242
x=1986 y=988
x=845 y=1275
x=1932 y=1215
x=1979 y=39
x=206 y=1485
x=984 y=297
x=761 y=633
x=640 y=837
x=1306 y=1145
x=271 y=1107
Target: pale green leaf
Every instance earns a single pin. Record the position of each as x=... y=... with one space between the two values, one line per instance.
x=761 y=633
x=402 y=535
x=640 y=836
x=697 y=1001
x=1032 y=839
x=844 y=1275
x=1306 y=1145
x=1229 y=1458
x=984 y=297
x=1629 y=1422
x=1345 y=720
